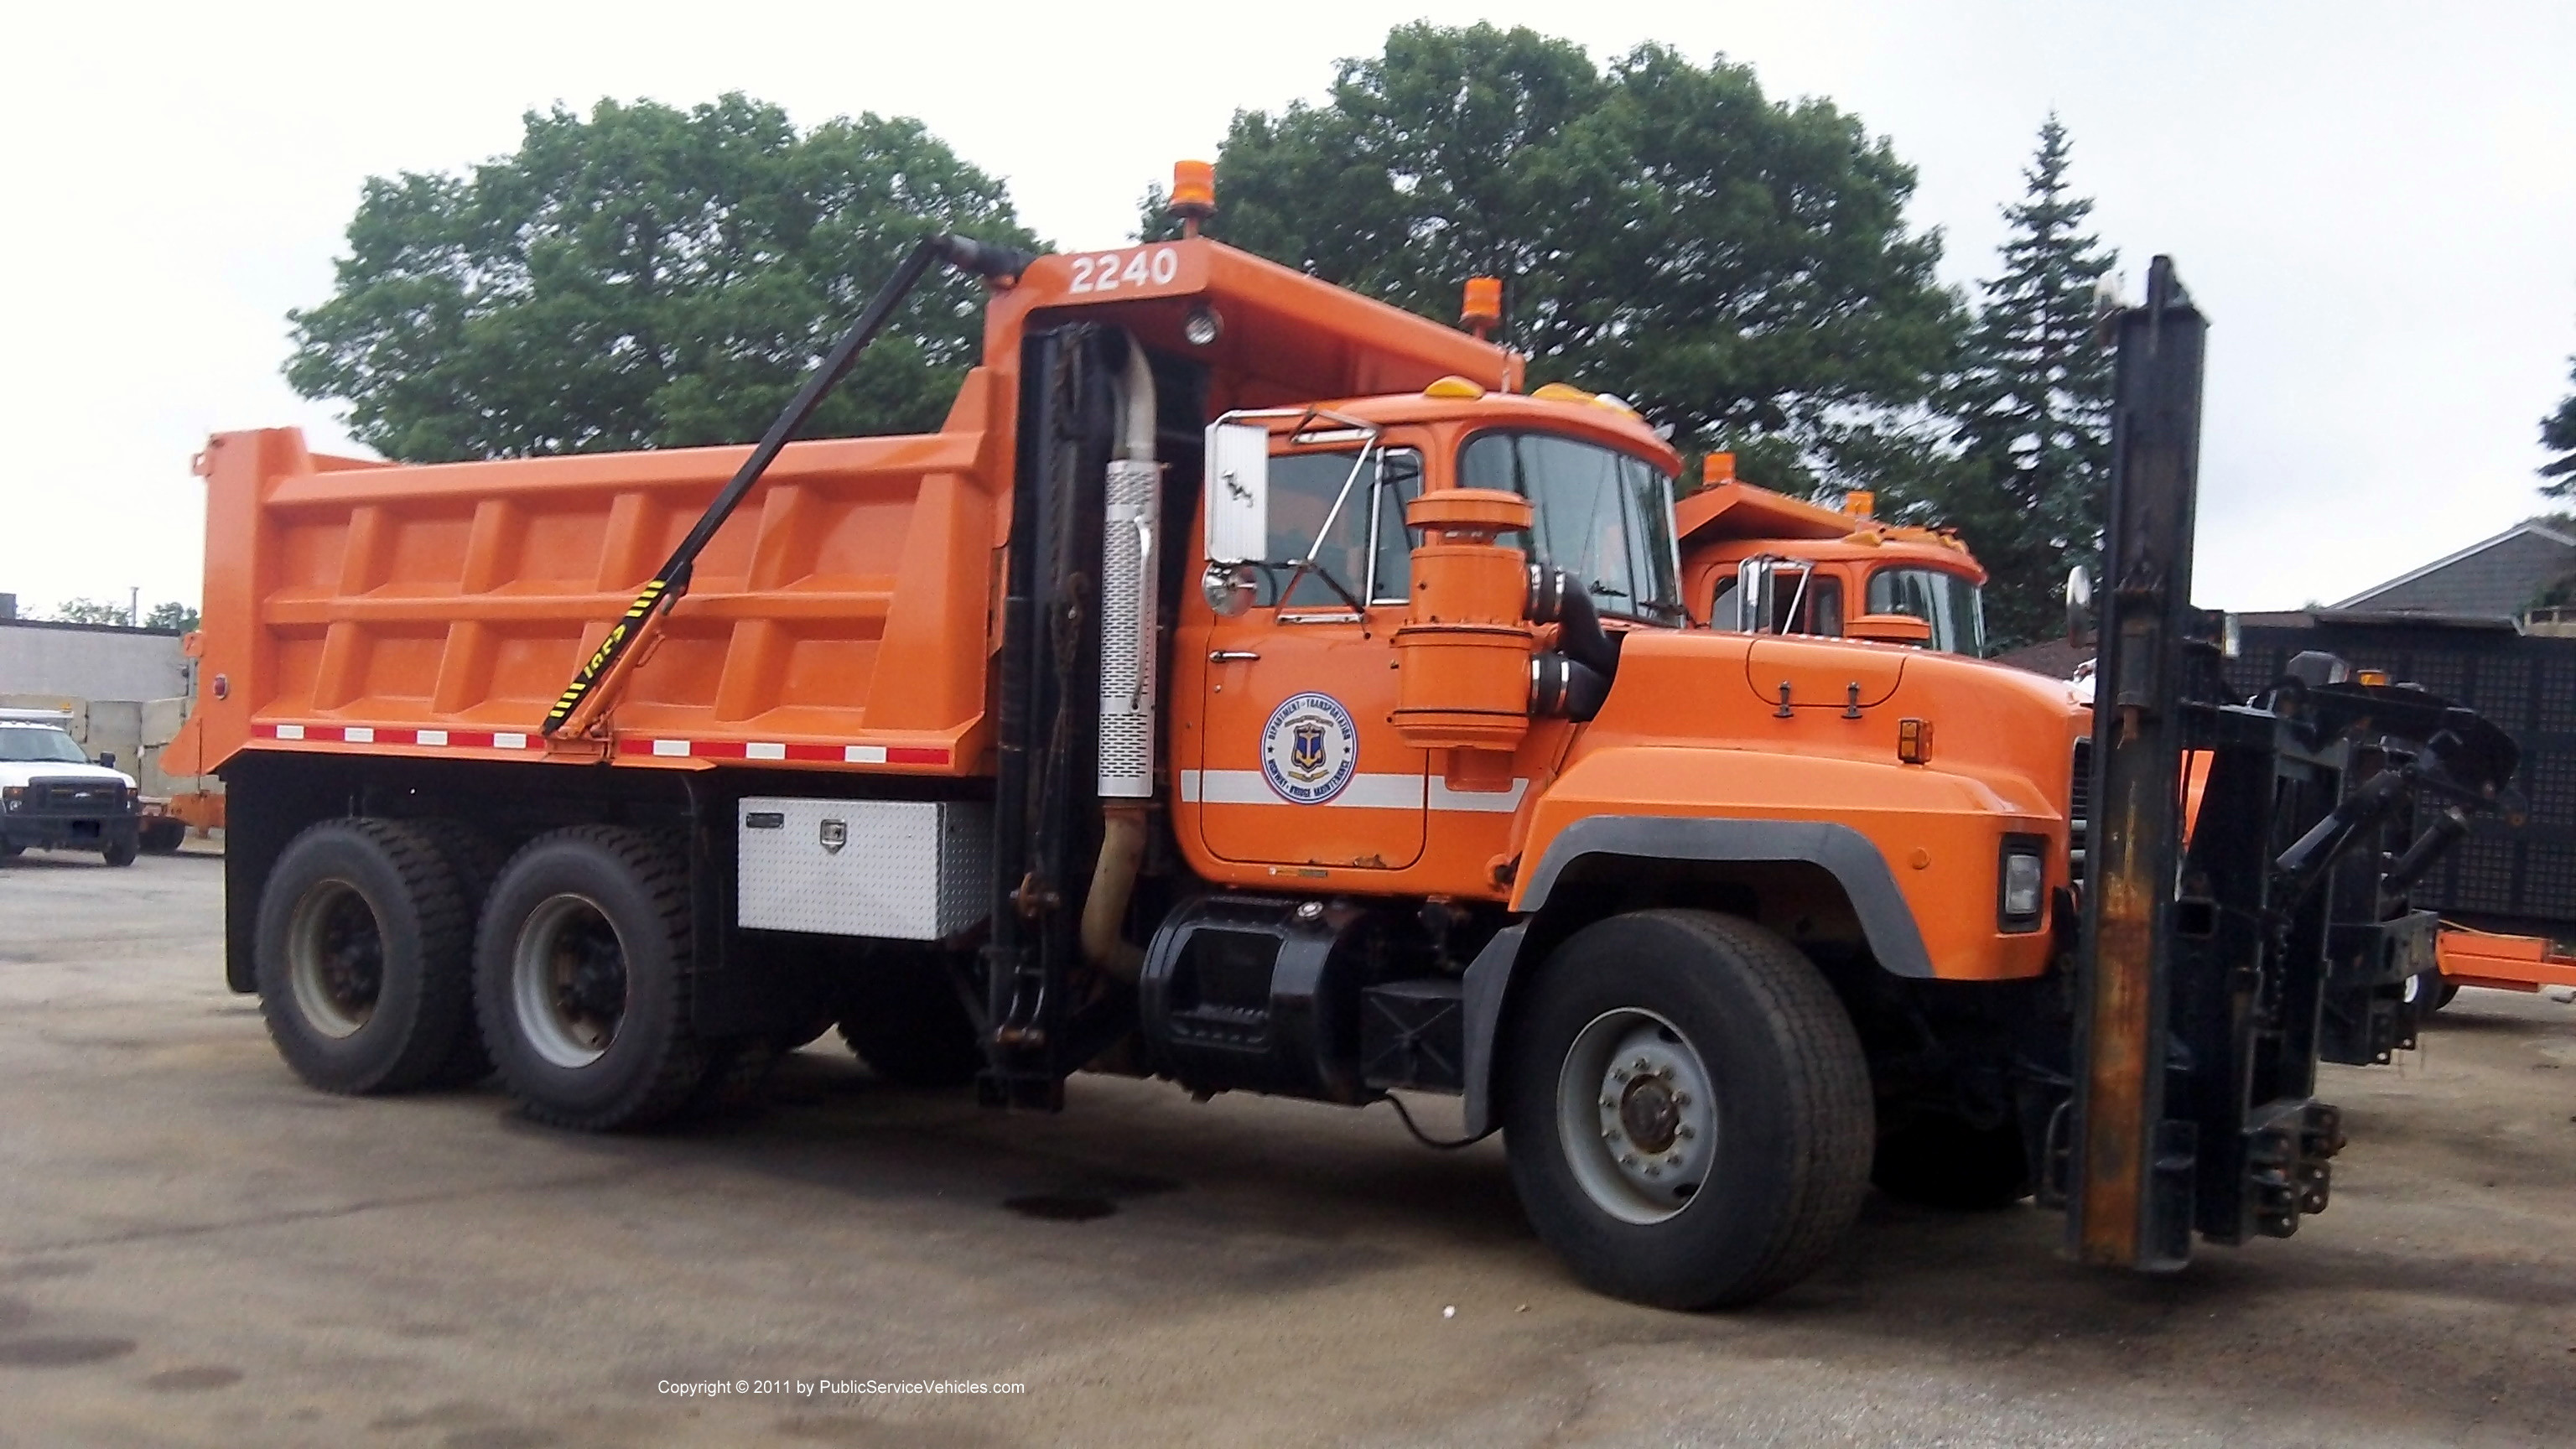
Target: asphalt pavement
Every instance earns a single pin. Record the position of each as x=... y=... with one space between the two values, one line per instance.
x=197 y=1249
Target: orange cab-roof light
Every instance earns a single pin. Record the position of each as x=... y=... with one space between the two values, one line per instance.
x=1859 y=503
x=1482 y=309
x=1716 y=468
x=1193 y=194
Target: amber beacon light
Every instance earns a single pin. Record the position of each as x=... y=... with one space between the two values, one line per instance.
x=1193 y=194
x=1482 y=309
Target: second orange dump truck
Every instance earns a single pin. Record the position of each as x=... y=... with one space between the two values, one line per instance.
x=1250 y=686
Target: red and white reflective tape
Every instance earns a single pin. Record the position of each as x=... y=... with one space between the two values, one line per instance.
x=632 y=745
x=385 y=735
x=800 y=754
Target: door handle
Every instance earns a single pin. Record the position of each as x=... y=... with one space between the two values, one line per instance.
x=1231 y=656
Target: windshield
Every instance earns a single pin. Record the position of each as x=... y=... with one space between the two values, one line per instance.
x=1603 y=516
x=1947 y=602
x=29 y=744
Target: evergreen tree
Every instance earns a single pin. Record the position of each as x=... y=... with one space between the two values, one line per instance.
x=2032 y=398
x=2558 y=435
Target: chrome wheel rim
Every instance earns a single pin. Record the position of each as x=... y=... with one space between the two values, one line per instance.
x=568 y=980
x=1635 y=1116
x=335 y=958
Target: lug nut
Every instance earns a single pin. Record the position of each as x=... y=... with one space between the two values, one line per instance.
x=1684 y=1131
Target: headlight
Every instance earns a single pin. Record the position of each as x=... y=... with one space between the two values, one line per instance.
x=2024 y=883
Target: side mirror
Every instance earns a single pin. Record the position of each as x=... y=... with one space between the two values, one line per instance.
x=2079 y=607
x=1238 y=493
x=1752 y=597
x=107 y=761
x=1890 y=629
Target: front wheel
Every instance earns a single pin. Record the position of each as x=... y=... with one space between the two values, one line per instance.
x=120 y=850
x=1688 y=1112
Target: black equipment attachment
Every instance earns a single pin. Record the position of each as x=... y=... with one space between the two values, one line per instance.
x=993 y=263
x=2224 y=952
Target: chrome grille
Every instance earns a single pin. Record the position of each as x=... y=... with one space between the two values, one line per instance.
x=2079 y=802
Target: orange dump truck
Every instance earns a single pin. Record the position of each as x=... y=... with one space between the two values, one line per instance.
x=1248 y=686
x=1762 y=562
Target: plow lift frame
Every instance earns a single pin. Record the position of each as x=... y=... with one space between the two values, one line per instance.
x=2212 y=977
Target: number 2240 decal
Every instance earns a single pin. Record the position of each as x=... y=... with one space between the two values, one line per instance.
x=1112 y=271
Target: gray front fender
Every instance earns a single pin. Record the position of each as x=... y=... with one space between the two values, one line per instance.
x=1886 y=921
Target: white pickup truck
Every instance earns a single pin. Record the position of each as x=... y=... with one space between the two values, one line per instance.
x=53 y=797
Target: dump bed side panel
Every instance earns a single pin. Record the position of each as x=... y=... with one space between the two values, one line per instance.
x=841 y=617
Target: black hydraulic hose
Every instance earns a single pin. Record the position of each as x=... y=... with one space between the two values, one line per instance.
x=1562 y=688
x=2448 y=829
x=673 y=579
x=1557 y=597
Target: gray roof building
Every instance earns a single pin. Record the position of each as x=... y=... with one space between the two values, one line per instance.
x=2495 y=579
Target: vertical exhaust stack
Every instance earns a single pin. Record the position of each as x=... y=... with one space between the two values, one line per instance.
x=1132 y=503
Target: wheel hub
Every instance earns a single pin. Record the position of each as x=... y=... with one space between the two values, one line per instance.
x=1649 y=1115
x=1635 y=1114
x=335 y=958
x=569 y=981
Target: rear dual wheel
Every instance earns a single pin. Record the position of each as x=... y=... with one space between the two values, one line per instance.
x=1688 y=1112
x=362 y=957
x=581 y=968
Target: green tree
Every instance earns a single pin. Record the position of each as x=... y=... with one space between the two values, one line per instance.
x=92 y=611
x=2029 y=488
x=171 y=615
x=2558 y=435
x=1738 y=268
x=646 y=276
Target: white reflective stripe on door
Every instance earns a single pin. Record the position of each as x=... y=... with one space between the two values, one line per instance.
x=1365 y=791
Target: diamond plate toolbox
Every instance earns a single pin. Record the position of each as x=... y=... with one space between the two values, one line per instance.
x=909 y=870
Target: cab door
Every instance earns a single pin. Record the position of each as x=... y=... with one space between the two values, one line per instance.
x=1294 y=763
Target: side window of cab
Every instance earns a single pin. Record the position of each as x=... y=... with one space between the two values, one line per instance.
x=1363 y=544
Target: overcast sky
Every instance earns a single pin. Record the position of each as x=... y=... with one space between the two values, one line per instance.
x=2376 y=204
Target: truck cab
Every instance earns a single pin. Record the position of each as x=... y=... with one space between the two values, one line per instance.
x=53 y=797
x=1760 y=562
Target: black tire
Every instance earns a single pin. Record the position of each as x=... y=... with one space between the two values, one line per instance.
x=1935 y=1159
x=737 y=1078
x=1756 y=1201
x=476 y=862
x=121 y=849
x=163 y=836
x=581 y=979
x=902 y=1016
x=362 y=957
x=11 y=850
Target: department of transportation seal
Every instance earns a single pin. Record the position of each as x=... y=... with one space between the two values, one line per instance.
x=1310 y=749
